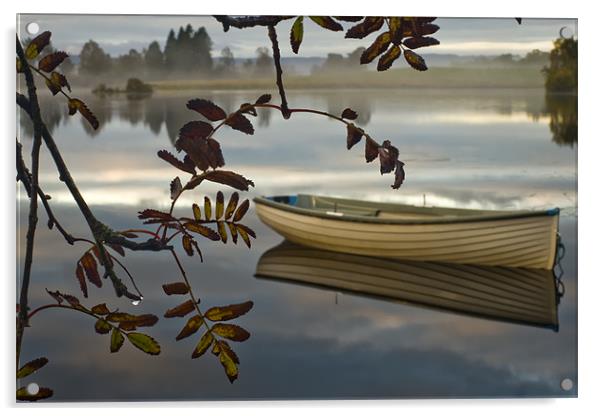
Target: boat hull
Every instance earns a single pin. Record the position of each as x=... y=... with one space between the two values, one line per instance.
x=528 y=241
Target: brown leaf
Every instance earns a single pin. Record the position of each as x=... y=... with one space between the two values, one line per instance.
x=371 y=151
x=230 y=367
x=232 y=204
x=191 y=327
x=205 y=153
x=363 y=29
x=100 y=309
x=354 y=135
x=137 y=321
x=327 y=23
x=187 y=244
x=177 y=288
x=396 y=29
x=416 y=61
x=79 y=273
x=56 y=82
x=379 y=46
x=202 y=230
x=196 y=211
x=242 y=210
x=226 y=313
x=203 y=344
x=91 y=268
x=76 y=104
x=349 y=114
x=31 y=367
x=388 y=58
x=349 y=18
x=155 y=214
x=427 y=29
x=43 y=393
x=263 y=99
x=221 y=228
x=102 y=327
x=229 y=178
x=388 y=156
x=37 y=44
x=174 y=161
x=233 y=232
x=56 y=295
x=231 y=331
x=120 y=317
x=51 y=61
x=207 y=206
x=419 y=42
x=180 y=310
x=175 y=188
x=219 y=205
x=239 y=122
x=247 y=108
x=296 y=36
x=194 y=130
x=244 y=233
x=207 y=108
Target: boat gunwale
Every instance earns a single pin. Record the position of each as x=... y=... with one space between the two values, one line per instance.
x=477 y=217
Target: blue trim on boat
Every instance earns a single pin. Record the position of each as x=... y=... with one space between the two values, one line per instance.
x=553 y=211
x=284 y=199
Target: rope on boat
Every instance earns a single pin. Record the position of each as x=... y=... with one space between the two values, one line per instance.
x=557 y=269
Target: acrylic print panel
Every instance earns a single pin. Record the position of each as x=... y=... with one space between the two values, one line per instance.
x=208 y=227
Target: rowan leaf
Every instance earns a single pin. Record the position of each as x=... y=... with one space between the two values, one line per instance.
x=388 y=58
x=177 y=288
x=244 y=233
x=354 y=135
x=327 y=23
x=202 y=230
x=196 y=211
x=203 y=345
x=91 y=268
x=349 y=18
x=420 y=42
x=230 y=331
x=207 y=208
x=56 y=81
x=219 y=205
x=144 y=342
x=263 y=99
x=205 y=153
x=363 y=29
x=297 y=34
x=191 y=327
x=120 y=317
x=117 y=248
x=51 y=61
x=399 y=175
x=231 y=179
x=349 y=114
x=56 y=295
x=232 y=204
x=416 y=61
x=221 y=229
x=388 y=156
x=239 y=122
x=233 y=232
x=31 y=367
x=79 y=273
x=371 y=151
x=155 y=214
x=102 y=326
x=116 y=340
x=174 y=161
x=175 y=188
x=137 y=321
x=194 y=130
x=76 y=104
x=43 y=393
x=229 y=365
x=37 y=44
x=208 y=109
x=379 y=46
x=396 y=29
x=228 y=312
x=100 y=309
x=427 y=29
x=241 y=211
x=187 y=244
x=180 y=310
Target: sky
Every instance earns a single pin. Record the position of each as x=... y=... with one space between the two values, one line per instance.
x=117 y=34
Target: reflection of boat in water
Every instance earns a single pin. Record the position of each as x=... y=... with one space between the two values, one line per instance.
x=498 y=238
x=525 y=296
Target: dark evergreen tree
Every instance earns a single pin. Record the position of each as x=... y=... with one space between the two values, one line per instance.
x=170 y=51
x=93 y=59
x=153 y=58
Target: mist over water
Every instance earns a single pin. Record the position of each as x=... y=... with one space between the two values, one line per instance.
x=485 y=148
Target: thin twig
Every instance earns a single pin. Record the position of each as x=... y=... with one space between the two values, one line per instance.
x=276 y=55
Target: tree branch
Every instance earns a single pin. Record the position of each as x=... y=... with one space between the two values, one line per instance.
x=276 y=54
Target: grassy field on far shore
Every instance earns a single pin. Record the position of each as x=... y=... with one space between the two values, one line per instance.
x=394 y=78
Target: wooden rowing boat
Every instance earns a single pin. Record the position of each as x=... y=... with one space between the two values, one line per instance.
x=525 y=296
x=496 y=238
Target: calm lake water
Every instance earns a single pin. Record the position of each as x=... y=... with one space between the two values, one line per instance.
x=493 y=149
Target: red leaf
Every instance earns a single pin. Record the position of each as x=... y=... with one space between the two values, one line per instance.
x=79 y=273
x=399 y=175
x=51 y=61
x=239 y=122
x=388 y=156
x=91 y=268
x=153 y=213
x=174 y=161
x=207 y=108
x=263 y=99
x=354 y=135
x=194 y=130
x=229 y=178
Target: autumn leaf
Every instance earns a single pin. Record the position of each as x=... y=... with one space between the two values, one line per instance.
x=232 y=204
x=194 y=130
x=363 y=29
x=191 y=327
x=36 y=46
x=117 y=248
x=75 y=104
x=187 y=244
x=204 y=152
x=219 y=205
x=427 y=29
x=233 y=231
x=31 y=367
x=180 y=310
x=207 y=108
x=244 y=233
x=196 y=211
x=349 y=18
x=91 y=268
x=420 y=42
x=226 y=313
x=207 y=208
x=202 y=230
x=137 y=321
x=56 y=82
x=102 y=326
x=51 y=61
x=297 y=34
x=43 y=393
x=379 y=46
x=175 y=188
x=388 y=155
x=416 y=61
x=263 y=99
x=242 y=210
x=221 y=229
x=371 y=151
x=120 y=317
x=399 y=175
x=396 y=29
x=232 y=179
x=144 y=342
x=174 y=161
x=229 y=365
x=79 y=274
x=230 y=331
x=354 y=135
x=56 y=295
x=177 y=288
x=155 y=214
x=349 y=114
x=239 y=122
x=116 y=340
x=327 y=23
x=388 y=58
x=203 y=345
x=100 y=309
